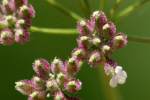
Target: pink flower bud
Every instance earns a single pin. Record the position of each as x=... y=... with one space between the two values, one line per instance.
x=26 y=11
x=79 y=53
x=6 y=37
x=110 y=29
x=95 y=58
x=25 y=87
x=73 y=86
x=57 y=66
x=73 y=66
x=59 y=96
x=21 y=36
x=120 y=40
x=42 y=68
x=37 y=95
x=52 y=86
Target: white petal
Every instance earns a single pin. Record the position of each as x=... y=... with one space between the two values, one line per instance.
x=118 y=69
x=122 y=77
x=113 y=82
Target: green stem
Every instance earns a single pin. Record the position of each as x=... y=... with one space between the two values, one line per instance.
x=115 y=7
x=102 y=2
x=74 y=31
x=109 y=93
x=139 y=39
x=66 y=11
x=53 y=30
x=85 y=7
x=131 y=8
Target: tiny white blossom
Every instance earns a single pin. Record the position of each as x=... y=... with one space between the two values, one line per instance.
x=119 y=77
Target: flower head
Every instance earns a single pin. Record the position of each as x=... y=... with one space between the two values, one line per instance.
x=15 y=16
x=51 y=80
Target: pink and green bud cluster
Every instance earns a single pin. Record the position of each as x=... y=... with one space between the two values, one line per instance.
x=15 y=21
x=97 y=41
x=51 y=80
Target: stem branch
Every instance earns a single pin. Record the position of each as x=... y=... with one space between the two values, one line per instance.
x=64 y=10
x=53 y=30
x=74 y=31
x=131 y=8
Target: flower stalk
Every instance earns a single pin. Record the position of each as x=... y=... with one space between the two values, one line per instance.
x=53 y=30
x=62 y=31
x=131 y=8
x=66 y=11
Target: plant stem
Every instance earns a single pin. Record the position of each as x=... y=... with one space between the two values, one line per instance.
x=115 y=7
x=85 y=7
x=102 y=2
x=109 y=93
x=139 y=39
x=74 y=31
x=53 y=30
x=64 y=10
x=131 y=8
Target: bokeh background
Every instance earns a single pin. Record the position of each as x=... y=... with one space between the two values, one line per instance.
x=16 y=61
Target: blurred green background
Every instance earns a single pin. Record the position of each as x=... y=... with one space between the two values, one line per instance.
x=16 y=61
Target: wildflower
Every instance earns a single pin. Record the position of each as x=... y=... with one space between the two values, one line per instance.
x=15 y=16
x=49 y=81
x=118 y=75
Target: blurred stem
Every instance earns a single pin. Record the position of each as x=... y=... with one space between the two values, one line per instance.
x=85 y=7
x=131 y=8
x=139 y=39
x=74 y=31
x=102 y=2
x=53 y=30
x=109 y=93
x=64 y=10
x=115 y=7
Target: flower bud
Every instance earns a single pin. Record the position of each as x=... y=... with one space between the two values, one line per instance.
x=8 y=6
x=59 y=96
x=83 y=41
x=82 y=28
x=79 y=53
x=37 y=95
x=21 y=36
x=42 y=68
x=38 y=83
x=120 y=41
x=60 y=78
x=57 y=66
x=6 y=37
x=73 y=66
x=96 y=41
x=110 y=29
x=100 y=17
x=52 y=86
x=73 y=86
x=20 y=23
x=95 y=58
x=11 y=20
x=25 y=87
x=106 y=49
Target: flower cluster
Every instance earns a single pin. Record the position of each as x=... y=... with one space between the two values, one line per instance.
x=97 y=41
x=52 y=80
x=15 y=21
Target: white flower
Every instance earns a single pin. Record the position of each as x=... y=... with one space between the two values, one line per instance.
x=119 y=77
